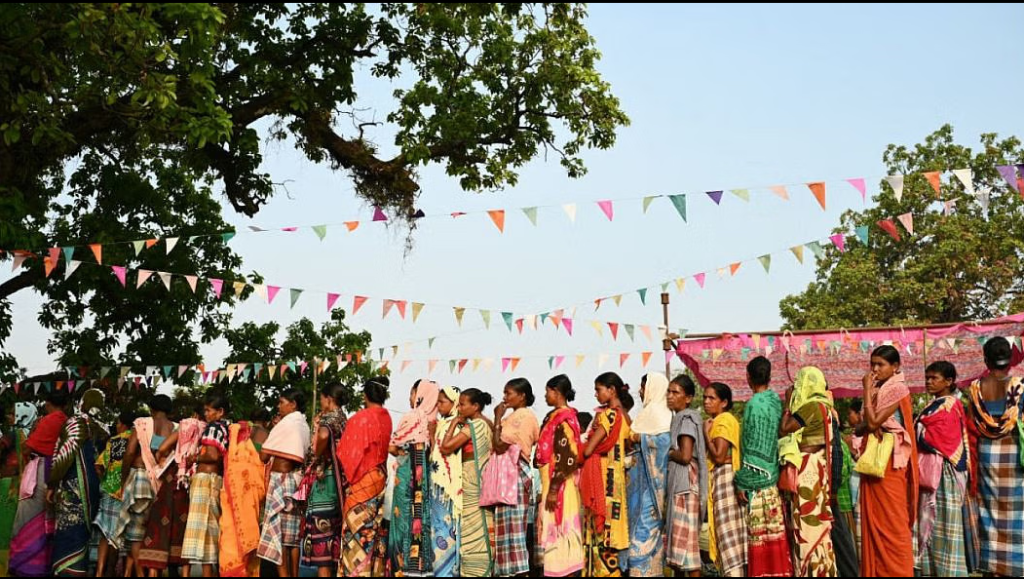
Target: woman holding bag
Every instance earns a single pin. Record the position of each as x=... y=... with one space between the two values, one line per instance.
x=888 y=504
x=516 y=433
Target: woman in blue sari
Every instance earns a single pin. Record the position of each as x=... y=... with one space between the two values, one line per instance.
x=648 y=480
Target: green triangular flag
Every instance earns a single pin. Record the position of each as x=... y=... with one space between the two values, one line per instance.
x=138 y=246
x=629 y=330
x=69 y=252
x=104 y=371
x=321 y=231
x=647 y=201
x=551 y=362
x=380 y=351
x=296 y=292
x=430 y=342
x=451 y=366
x=226 y=237
x=486 y=315
x=531 y=213
x=167 y=371
x=766 y=261
x=643 y=295
x=507 y=316
x=815 y=247
x=543 y=318
x=862 y=233
x=680 y=203
x=743 y=194
x=664 y=287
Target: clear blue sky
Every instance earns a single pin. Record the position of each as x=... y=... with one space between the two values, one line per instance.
x=720 y=97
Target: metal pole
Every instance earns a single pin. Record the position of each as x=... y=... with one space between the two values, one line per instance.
x=666 y=343
x=316 y=367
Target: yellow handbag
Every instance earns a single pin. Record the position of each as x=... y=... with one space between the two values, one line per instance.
x=877 y=455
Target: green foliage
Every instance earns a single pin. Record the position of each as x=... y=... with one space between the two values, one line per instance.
x=964 y=266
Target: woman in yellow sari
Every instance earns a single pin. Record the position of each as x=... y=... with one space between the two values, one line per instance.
x=727 y=521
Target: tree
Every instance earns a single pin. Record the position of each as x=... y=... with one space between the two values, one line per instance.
x=118 y=120
x=968 y=265
x=257 y=343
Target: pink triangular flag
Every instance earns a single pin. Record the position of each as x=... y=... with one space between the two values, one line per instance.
x=907 y=219
x=357 y=302
x=218 y=285
x=558 y=361
x=840 y=241
x=860 y=185
x=119 y=272
x=647 y=332
x=431 y=365
x=378 y=215
x=504 y=364
x=272 y=293
x=191 y=279
x=405 y=365
x=606 y=206
x=567 y=323
x=142 y=277
x=700 y=279
x=331 y=299
x=780 y=190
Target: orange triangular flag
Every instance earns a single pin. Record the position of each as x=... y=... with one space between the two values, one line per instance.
x=357 y=302
x=498 y=217
x=819 y=192
x=645 y=357
x=622 y=359
x=351 y=225
x=515 y=362
x=151 y=243
x=934 y=177
x=97 y=250
x=734 y=268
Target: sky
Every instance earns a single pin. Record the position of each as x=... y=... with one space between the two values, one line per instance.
x=720 y=97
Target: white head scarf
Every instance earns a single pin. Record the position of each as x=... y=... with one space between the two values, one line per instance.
x=655 y=417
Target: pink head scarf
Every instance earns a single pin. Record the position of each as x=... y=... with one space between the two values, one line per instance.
x=414 y=426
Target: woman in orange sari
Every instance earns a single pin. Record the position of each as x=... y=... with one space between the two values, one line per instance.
x=363 y=454
x=889 y=504
x=241 y=500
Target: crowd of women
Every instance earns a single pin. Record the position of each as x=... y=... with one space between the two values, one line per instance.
x=783 y=493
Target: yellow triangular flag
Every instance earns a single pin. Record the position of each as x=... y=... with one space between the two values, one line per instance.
x=681 y=283
x=458 y=315
x=618 y=299
x=579 y=360
x=597 y=327
x=416 y=309
x=798 y=251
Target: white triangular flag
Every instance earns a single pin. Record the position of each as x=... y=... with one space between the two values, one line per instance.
x=966 y=176
x=171 y=242
x=570 y=210
x=984 y=197
x=166 y=278
x=260 y=290
x=71 y=267
x=896 y=182
x=191 y=279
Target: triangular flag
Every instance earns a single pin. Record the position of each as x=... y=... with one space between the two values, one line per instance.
x=984 y=197
x=907 y=219
x=567 y=324
x=860 y=185
x=498 y=217
x=97 y=250
x=558 y=361
x=733 y=268
x=18 y=260
x=766 y=262
x=597 y=327
x=643 y=295
x=896 y=182
x=401 y=307
x=700 y=279
x=416 y=309
x=119 y=272
x=614 y=327
x=430 y=342
x=217 y=285
x=1008 y=173
x=462 y=364
x=647 y=332
x=647 y=201
x=320 y=231
x=630 y=331
x=601 y=360
x=515 y=362
x=818 y=189
x=171 y=242
x=507 y=316
x=840 y=241
x=458 y=315
x=378 y=215
x=138 y=245
x=357 y=302
x=780 y=190
x=272 y=293
x=239 y=287
x=476 y=363
x=935 y=180
x=531 y=214
x=405 y=365
x=388 y=304
x=70 y=268
x=889 y=227
x=69 y=252
x=798 y=251
x=486 y=315
x=679 y=202
x=167 y=371
x=51 y=260
x=606 y=207
x=295 y=293
x=862 y=233
x=680 y=284
x=351 y=225
x=451 y=366
x=721 y=272
x=743 y=194
x=431 y=365
x=504 y=364
x=570 y=210
x=166 y=278
x=331 y=300
x=143 y=276
x=622 y=359
x=104 y=371
x=645 y=358
x=966 y=177
x=815 y=248
x=271 y=371
x=617 y=299
x=183 y=369
x=191 y=279
x=151 y=242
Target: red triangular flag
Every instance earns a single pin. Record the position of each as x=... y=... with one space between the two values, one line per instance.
x=462 y=365
x=519 y=324
x=819 y=192
x=401 y=307
x=622 y=359
x=498 y=217
x=615 y=330
x=889 y=227
x=150 y=243
x=357 y=302
x=606 y=206
x=734 y=268
x=934 y=178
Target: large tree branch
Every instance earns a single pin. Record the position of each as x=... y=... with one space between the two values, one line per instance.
x=19 y=282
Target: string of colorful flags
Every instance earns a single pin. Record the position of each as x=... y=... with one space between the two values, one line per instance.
x=1013 y=175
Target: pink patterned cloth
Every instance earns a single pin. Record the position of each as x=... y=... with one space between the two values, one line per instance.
x=189 y=432
x=890 y=394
